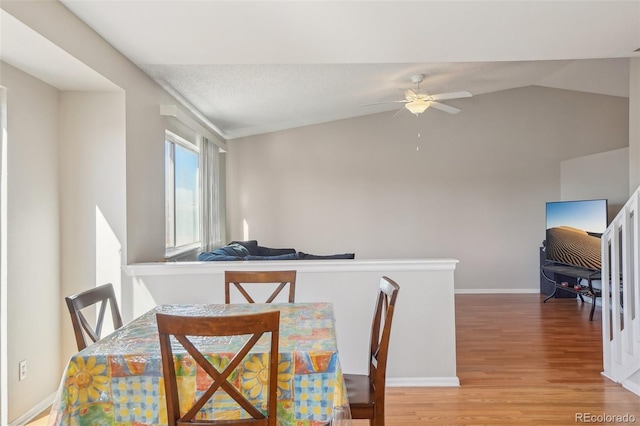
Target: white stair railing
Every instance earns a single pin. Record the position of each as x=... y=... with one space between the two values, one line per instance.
x=621 y=297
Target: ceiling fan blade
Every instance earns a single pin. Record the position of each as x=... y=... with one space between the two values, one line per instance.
x=385 y=102
x=452 y=95
x=445 y=108
x=398 y=112
x=410 y=95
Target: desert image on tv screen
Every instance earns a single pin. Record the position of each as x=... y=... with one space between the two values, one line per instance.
x=573 y=232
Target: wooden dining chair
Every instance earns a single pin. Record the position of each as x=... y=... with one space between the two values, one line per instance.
x=238 y=278
x=366 y=392
x=82 y=328
x=230 y=325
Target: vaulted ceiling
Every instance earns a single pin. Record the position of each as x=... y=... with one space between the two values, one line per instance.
x=258 y=66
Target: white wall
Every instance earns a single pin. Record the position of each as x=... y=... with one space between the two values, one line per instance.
x=92 y=195
x=33 y=245
x=634 y=124
x=475 y=191
x=604 y=175
x=144 y=125
x=423 y=339
x=111 y=194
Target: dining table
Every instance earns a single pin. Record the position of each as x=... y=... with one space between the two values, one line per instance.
x=118 y=380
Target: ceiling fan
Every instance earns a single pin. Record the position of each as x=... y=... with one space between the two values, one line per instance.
x=417 y=102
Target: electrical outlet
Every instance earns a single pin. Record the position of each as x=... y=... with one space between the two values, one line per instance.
x=22 y=367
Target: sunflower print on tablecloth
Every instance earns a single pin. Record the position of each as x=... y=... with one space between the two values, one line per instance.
x=88 y=380
x=255 y=376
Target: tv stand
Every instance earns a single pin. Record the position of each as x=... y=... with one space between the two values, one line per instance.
x=578 y=273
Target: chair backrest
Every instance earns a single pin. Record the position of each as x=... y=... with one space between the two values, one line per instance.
x=230 y=325
x=76 y=303
x=237 y=278
x=381 y=332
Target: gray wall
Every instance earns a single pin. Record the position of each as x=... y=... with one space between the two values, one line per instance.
x=144 y=149
x=475 y=190
x=92 y=196
x=604 y=175
x=33 y=238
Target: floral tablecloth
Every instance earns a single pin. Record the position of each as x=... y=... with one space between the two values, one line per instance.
x=118 y=380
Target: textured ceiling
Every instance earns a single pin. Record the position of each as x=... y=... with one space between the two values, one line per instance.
x=250 y=99
x=257 y=66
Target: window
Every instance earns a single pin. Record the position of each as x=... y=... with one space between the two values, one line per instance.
x=182 y=195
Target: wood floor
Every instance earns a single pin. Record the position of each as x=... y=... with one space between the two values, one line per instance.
x=520 y=362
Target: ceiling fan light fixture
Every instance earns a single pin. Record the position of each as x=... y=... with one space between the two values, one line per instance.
x=417 y=106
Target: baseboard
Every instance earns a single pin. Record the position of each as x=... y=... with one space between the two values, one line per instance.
x=631 y=386
x=604 y=373
x=412 y=382
x=34 y=411
x=496 y=290
x=627 y=384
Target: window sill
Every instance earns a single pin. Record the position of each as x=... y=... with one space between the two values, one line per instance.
x=183 y=253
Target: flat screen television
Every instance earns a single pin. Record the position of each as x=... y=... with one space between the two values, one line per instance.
x=573 y=232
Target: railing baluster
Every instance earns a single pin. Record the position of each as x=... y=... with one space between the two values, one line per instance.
x=621 y=294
